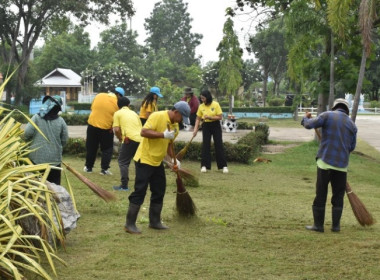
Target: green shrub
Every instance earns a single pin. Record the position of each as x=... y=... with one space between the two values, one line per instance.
x=80 y=106
x=244 y=125
x=75 y=119
x=75 y=146
x=276 y=101
x=264 y=128
x=280 y=109
x=374 y=104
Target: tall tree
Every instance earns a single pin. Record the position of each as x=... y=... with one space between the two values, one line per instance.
x=169 y=28
x=230 y=62
x=67 y=50
x=22 y=22
x=119 y=44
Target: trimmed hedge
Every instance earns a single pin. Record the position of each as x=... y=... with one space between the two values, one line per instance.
x=248 y=147
x=279 y=109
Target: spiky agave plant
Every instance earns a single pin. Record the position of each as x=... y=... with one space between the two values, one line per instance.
x=25 y=196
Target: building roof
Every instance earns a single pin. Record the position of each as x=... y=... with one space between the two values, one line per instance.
x=60 y=77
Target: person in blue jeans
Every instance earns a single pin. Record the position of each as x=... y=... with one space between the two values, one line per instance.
x=127 y=128
x=337 y=142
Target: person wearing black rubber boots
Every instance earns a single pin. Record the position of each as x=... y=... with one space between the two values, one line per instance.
x=338 y=140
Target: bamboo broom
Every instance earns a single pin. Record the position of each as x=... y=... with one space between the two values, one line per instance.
x=184 y=203
x=182 y=152
x=102 y=193
x=360 y=211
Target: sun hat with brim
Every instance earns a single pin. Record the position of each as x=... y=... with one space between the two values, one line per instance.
x=188 y=90
x=341 y=101
x=184 y=109
x=48 y=103
x=156 y=91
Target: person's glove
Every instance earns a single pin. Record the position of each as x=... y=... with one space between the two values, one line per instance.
x=178 y=163
x=169 y=134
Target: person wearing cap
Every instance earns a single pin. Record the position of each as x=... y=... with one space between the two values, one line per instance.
x=99 y=130
x=149 y=104
x=157 y=134
x=127 y=128
x=210 y=113
x=337 y=142
x=54 y=127
x=193 y=102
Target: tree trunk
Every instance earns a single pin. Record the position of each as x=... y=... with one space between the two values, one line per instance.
x=265 y=83
x=332 y=70
x=359 y=85
x=230 y=104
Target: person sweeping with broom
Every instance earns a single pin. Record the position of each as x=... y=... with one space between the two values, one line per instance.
x=157 y=140
x=338 y=140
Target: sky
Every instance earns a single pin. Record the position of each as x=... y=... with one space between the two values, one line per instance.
x=208 y=19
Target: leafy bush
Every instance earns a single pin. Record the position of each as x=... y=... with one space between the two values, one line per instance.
x=276 y=102
x=280 y=109
x=75 y=146
x=79 y=106
x=374 y=104
x=75 y=119
x=264 y=128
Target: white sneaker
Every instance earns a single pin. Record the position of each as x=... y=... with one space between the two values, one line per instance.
x=105 y=172
x=88 y=170
x=225 y=169
x=203 y=169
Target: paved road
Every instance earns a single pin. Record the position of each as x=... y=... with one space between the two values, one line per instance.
x=368 y=130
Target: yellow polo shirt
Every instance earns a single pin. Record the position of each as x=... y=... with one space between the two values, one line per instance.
x=210 y=110
x=149 y=109
x=153 y=151
x=102 y=109
x=129 y=123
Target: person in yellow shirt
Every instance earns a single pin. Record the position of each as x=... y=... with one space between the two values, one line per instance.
x=149 y=104
x=211 y=114
x=127 y=128
x=99 y=130
x=157 y=138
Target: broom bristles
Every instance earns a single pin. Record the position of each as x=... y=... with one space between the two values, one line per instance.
x=360 y=211
x=102 y=193
x=185 y=205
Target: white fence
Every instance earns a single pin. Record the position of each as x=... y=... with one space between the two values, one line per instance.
x=312 y=110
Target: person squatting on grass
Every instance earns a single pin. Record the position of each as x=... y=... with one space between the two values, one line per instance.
x=127 y=128
x=55 y=129
x=337 y=142
x=156 y=142
x=99 y=130
x=211 y=114
x=149 y=104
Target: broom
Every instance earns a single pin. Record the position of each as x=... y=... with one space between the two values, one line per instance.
x=360 y=211
x=102 y=193
x=184 y=203
x=183 y=151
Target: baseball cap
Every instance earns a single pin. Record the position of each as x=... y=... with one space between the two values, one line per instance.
x=120 y=91
x=156 y=91
x=341 y=101
x=184 y=109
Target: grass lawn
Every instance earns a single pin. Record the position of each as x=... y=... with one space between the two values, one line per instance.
x=250 y=225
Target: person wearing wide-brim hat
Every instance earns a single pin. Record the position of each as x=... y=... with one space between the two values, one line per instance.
x=337 y=142
x=193 y=102
x=54 y=127
x=149 y=104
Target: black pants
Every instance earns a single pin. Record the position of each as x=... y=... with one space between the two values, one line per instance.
x=338 y=181
x=55 y=176
x=99 y=137
x=126 y=154
x=213 y=129
x=154 y=176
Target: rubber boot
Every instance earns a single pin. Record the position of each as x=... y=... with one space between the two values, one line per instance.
x=155 y=216
x=319 y=219
x=336 y=215
x=130 y=226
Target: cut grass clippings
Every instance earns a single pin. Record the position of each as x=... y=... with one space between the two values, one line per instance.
x=250 y=225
